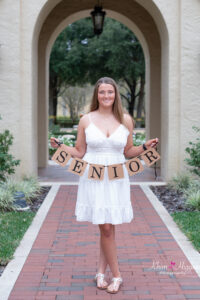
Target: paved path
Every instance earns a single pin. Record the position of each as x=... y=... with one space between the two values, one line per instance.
x=63 y=260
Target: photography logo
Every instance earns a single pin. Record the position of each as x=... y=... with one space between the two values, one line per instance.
x=172 y=269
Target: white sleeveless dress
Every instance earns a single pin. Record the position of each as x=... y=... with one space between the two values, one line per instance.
x=104 y=201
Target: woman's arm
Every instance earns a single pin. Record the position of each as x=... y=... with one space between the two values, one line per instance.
x=130 y=150
x=80 y=145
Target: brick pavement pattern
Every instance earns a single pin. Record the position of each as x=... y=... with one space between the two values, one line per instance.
x=64 y=257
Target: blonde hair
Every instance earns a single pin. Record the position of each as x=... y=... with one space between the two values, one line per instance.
x=118 y=110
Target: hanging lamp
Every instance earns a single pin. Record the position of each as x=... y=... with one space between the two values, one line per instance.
x=98 y=19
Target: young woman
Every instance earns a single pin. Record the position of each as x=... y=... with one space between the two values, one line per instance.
x=105 y=137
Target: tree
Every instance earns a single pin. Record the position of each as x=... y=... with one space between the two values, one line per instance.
x=120 y=56
x=79 y=57
x=74 y=98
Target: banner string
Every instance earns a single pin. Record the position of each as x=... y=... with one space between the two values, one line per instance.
x=155 y=170
x=149 y=156
x=139 y=156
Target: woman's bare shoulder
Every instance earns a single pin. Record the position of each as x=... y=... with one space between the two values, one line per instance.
x=128 y=119
x=84 y=120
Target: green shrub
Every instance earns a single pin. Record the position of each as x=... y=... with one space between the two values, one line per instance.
x=193 y=199
x=67 y=122
x=65 y=140
x=6 y=199
x=7 y=161
x=54 y=128
x=63 y=121
x=61 y=133
x=189 y=186
x=194 y=152
x=54 y=131
x=180 y=182
x=140 y=122
x=138 y=138
x=192 y=195
x=194 y=185
x=29 y=186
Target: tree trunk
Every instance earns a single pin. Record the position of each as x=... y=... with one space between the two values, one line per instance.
x=131 y=104
x=53 y=98
x=140 y=102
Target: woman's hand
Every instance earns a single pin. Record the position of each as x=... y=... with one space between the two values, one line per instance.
x=151 y=143
x=53 y=143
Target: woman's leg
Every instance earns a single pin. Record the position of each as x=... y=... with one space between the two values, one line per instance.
x=110 y=253
x=107 y=241
x=102 y=267
x=102 y=259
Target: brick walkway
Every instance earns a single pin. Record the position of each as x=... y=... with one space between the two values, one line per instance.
x=63 y=259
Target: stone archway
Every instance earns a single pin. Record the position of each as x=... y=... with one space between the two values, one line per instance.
x=153 y=36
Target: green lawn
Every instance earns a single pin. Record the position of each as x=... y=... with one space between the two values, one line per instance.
x=13 y=225
x=189 y=223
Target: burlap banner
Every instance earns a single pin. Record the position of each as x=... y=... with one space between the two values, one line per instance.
x=96 y=171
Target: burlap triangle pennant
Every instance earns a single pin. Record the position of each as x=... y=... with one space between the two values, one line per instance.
x=150 y=156
x=134 y=166
x=61 y=157
x=115 y=171
x=77 y=166
x=96 y=172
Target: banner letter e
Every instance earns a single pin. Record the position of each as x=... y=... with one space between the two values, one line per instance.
x=77 y=166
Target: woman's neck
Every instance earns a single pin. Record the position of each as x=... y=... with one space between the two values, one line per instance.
x=105 y=111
